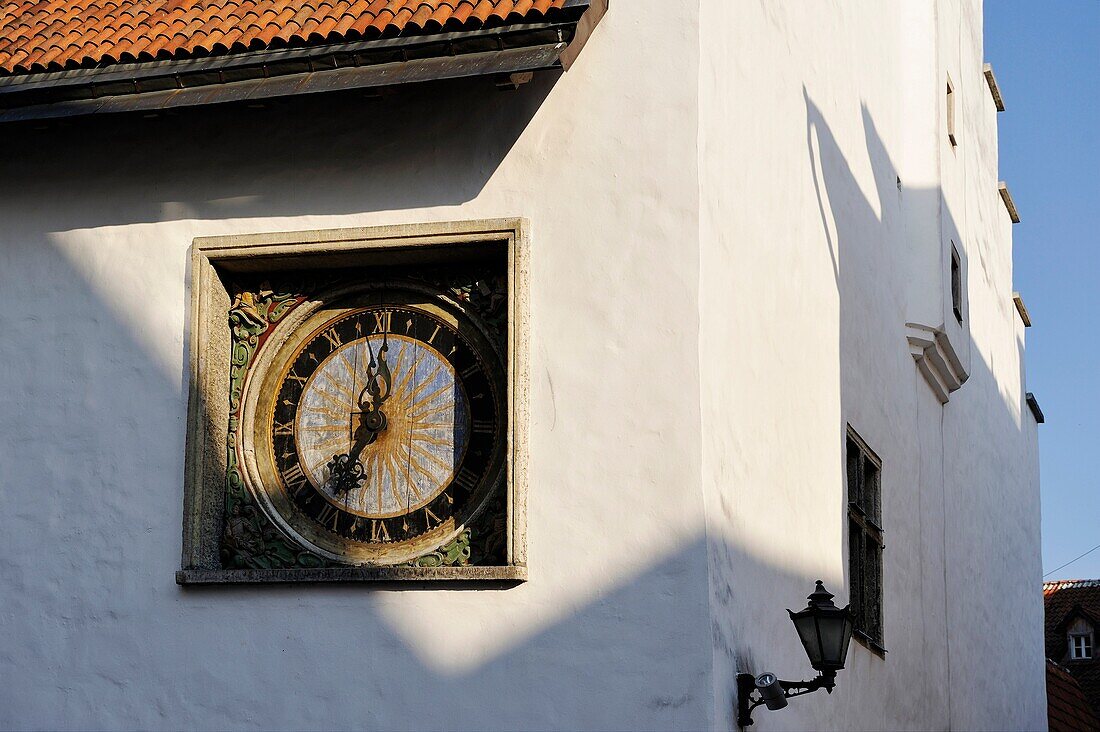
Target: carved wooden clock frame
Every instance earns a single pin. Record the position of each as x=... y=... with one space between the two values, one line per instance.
x=247 y=293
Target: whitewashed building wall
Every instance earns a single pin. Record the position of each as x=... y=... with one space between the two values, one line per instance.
x=736 y=209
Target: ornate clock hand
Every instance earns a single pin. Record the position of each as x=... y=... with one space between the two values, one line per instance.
x=345 y=471
x=370 y=385
x=377 y=389
x=383 y=372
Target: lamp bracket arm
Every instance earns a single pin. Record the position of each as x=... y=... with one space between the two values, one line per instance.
x=749 y=697
x=826 y=681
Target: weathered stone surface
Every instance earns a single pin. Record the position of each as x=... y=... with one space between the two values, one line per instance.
x=455 y=576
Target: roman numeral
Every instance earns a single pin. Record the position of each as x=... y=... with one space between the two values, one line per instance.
x=483 y=426
x=284 y=428
x=382 y=321
x=333 y=338
x=295 y=479
x=434 y=334
x=300 y=379
x=471 y=370
x=378 y=531
x=328 y=516
x=466 y=479
x=429 y=517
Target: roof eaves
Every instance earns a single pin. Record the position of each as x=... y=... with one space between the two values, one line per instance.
x=257 y=75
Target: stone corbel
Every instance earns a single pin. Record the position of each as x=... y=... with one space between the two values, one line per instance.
x=936 y=359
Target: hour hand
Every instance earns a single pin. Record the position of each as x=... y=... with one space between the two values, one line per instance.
x=345 y=474
x=345 y=471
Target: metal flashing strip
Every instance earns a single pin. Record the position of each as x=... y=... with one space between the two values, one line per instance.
x=1021 y=309
x=1033 y=405
x=993 y=88
x=267 y=74
x=1013 y=214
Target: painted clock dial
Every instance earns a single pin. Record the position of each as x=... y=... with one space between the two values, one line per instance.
x=377 y=427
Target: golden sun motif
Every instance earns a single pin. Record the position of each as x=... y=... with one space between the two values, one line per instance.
x=415 y=457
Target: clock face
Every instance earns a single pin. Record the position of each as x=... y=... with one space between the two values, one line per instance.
x=377 y=426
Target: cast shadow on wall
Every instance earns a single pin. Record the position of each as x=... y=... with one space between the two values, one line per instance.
x=98 y=634
x=424 y=145
x=982 y=426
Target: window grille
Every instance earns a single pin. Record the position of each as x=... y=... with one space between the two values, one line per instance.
x=865 y=543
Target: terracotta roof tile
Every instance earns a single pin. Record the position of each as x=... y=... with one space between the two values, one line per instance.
x=53 y=35
x=1067 y=708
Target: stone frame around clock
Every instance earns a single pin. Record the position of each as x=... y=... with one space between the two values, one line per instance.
x=208 y=368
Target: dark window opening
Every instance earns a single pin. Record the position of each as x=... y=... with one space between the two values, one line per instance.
x=865 y=543
x=956 y=284
x=951 y=114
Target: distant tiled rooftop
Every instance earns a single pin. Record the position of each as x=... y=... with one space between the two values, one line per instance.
x=1067 y=708
x=1056 y=585
x=53 y=35
x=1064 y=600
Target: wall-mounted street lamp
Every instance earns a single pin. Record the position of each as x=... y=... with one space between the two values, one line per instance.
x=825 y=630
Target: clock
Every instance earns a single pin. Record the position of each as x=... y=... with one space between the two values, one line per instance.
x=373 y=423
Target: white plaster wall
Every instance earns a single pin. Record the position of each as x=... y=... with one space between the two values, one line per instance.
x=989 y=434
x=612 y=630
x=829 y=195
x=722 y=267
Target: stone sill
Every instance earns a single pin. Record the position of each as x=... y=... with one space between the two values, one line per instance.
x=479 y=576
x=869 y=643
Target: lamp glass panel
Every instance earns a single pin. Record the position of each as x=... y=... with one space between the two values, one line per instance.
x=846 y=639
x=832 y=638
x=806 y=625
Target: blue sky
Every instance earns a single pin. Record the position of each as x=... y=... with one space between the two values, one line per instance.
x=1046 y=56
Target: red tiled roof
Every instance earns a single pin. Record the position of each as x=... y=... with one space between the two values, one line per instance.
x=1049 y=588
x=51 y=35
x=1059 y=598
x=1067 y=708
x=1062 y=600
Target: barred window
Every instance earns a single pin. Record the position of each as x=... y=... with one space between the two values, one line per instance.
x=865 y=541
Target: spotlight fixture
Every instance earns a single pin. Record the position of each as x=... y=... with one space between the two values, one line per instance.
x=825 y=631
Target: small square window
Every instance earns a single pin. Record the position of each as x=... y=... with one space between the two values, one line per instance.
x=1080 y=646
